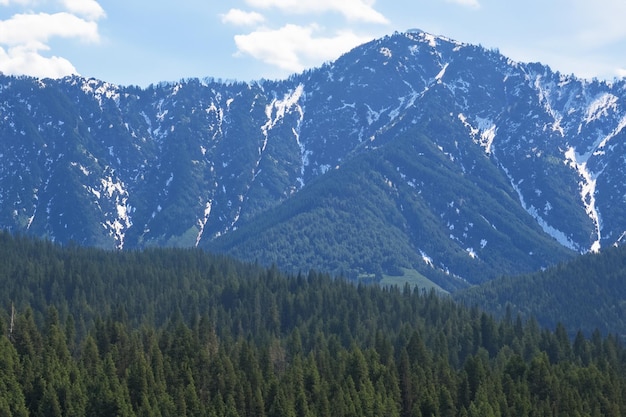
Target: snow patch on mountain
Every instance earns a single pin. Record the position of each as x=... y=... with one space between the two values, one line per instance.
x=275 y=112
x=372 y=115
x=587 y=190
x=118 y=222
x=600 y=107
x=558 y=235
x=177 y=87
x=82 y=169
x=386 y=52
x=203 y=221
x=216 y=126
x=545 y=90
x=427 y=259
x=304 y=153
x=599 y=146
x=483 y=133
x=431 y=39
x=439 y=76
x=101 y=90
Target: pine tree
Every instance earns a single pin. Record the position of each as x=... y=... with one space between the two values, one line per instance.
x=12 y=401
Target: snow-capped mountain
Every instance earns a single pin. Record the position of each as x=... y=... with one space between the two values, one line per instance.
x=188 y=163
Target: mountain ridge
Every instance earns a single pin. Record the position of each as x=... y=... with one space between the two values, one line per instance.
x=189 y=163
x=586 y=294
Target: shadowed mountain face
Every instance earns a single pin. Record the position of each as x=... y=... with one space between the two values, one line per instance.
x=409 y=152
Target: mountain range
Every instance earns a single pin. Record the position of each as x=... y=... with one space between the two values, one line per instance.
x=412 y=154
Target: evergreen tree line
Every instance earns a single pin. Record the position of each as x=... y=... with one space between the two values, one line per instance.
x=587 y=293
x=179 y=332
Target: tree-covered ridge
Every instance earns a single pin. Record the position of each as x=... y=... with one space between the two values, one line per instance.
x=586 y=293
x=405 y=204
x=180 y=332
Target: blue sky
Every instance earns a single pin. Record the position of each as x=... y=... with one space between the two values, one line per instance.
x=141 y=42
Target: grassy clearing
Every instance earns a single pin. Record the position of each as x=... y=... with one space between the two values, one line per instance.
x=414 y=278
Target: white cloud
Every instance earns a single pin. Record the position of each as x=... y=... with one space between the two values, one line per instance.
x=26 y=28
x=242 y=18
x=89 y=9
x=293 y=48
x=353 y=10
x=468 y=3
x=26 y=60
x=24 y=36
x=21 y=2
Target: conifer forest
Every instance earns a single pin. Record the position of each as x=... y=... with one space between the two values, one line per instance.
x=179 y=332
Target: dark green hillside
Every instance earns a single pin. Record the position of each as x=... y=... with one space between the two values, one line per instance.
x=182 y=333
x=588 y=292
x=396 y=205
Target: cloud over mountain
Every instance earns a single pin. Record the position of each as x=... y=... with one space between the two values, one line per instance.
x=292 y=47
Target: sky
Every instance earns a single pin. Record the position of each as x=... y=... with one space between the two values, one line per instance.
x=139 y=42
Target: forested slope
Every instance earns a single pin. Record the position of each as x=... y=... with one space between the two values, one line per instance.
x=404 y=205
x=180 y=332
x=586 y=293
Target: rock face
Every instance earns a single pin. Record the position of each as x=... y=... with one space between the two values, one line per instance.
x=452 y=156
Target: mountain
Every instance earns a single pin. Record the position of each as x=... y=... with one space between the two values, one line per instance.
x=411 y=152
x=587 y=293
